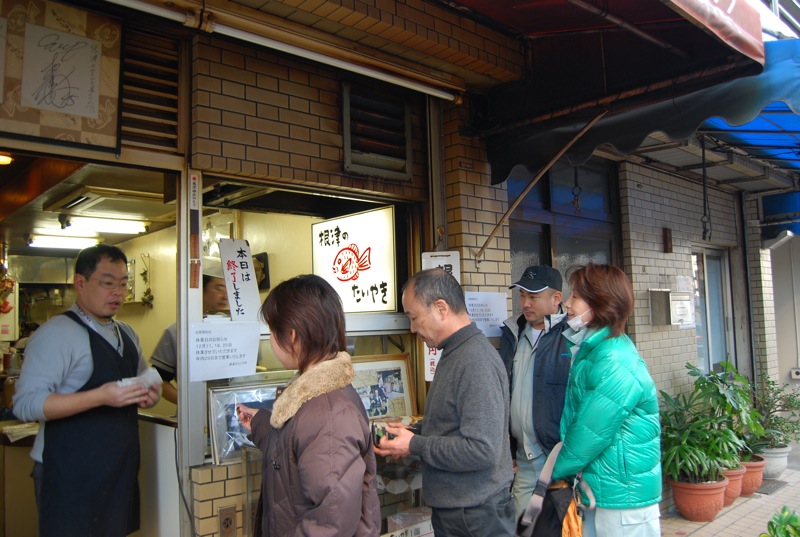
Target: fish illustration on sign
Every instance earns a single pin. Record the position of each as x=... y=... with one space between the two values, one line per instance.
x=349 y=263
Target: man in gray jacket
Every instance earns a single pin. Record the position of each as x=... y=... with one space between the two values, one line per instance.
x=537 y=360
x=463 y=440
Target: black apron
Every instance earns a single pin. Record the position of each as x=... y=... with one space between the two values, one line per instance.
x=91 y=459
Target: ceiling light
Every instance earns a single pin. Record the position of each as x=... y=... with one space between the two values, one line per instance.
x=102 y=225
x=64 y=243
x=5 y=159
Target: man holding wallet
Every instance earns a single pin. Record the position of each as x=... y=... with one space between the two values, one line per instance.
x=463 y=439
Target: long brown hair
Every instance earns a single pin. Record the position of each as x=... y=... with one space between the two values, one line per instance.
x=308 y=305
x=608 y=291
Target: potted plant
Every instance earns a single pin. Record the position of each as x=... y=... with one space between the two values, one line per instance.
x=784 y=523
x=696 y=447
x=779 y=408
x=728 y=396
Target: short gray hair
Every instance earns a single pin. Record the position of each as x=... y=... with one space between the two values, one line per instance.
x=437 y=284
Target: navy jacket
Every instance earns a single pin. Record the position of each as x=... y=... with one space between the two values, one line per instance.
x=551 y=373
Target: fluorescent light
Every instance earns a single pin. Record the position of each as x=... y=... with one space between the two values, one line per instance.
x=5 y=159
x=68 y=243
x=105 y=225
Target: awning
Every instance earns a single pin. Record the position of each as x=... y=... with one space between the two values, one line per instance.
x=737 y=102
x=587 y=55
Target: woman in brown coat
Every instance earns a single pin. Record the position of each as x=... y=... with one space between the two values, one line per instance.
x=318 y=475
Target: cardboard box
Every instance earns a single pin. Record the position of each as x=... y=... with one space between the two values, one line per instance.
x=414 y=522
x=423 y=529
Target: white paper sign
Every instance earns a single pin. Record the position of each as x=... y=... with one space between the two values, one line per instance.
x=450 y=262
x=222 y=350
x=240 y=279
x=487 y=311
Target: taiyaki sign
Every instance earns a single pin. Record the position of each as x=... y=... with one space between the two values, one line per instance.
x=356 y=255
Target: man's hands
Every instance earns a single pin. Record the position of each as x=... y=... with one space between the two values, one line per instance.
x=58 y=405
x=399 y=446
x=112 y=394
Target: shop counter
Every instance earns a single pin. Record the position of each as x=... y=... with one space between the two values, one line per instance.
x=158 y=481
x=16 y=494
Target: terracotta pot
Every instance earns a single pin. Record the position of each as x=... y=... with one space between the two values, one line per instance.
x=699 y=502
x=777 y=460
x=734 y=488
x=754 y=476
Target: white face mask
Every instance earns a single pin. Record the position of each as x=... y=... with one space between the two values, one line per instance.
x=577 y=322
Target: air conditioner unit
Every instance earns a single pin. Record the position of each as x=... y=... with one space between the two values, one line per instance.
x=113 y=203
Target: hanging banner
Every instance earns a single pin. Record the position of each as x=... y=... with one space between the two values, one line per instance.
x=240 y=279
x=356 y=255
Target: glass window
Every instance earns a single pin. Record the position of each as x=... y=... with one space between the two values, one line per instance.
x=712 y=308
x=563 y=237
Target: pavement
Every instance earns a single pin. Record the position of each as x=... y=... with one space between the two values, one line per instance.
x=747 y=516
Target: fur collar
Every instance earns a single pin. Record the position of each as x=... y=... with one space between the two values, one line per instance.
x=322 y=378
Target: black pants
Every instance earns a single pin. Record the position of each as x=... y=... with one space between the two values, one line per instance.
x=493 y=518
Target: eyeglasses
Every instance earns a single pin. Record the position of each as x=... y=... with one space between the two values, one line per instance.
x=110 y=285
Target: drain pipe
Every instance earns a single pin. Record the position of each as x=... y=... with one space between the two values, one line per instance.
x=746 y=252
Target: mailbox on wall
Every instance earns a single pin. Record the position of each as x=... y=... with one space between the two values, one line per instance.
x=670 y=308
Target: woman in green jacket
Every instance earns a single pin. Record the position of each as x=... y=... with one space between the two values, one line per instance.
x=610 y=424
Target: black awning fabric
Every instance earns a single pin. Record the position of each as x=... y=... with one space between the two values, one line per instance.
x=737 y=102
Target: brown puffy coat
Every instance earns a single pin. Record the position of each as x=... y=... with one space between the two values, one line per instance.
x=318 y=475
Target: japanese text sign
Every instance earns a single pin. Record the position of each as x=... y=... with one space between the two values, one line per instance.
x=356 y=255
x=240 y=279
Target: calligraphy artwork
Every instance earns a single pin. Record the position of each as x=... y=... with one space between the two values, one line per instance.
x=61 y=74
x=356 y=255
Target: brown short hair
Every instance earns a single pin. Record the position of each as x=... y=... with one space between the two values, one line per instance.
x=308 y=305
x=608 y=291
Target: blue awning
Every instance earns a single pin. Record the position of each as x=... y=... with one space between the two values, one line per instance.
x=759 y=113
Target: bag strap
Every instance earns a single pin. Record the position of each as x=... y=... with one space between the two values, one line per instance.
x=535 y=504
x=583 y=485
x=534 y=507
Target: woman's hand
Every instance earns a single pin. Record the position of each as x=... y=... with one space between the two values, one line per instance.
x=245 y=415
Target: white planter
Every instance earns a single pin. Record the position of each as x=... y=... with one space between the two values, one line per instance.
x=777 y=460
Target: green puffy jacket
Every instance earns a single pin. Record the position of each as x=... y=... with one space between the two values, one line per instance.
x=610 y=426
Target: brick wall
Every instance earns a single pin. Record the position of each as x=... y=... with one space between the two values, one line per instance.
x=474 y=207
x=214 y=487
x=262 y=115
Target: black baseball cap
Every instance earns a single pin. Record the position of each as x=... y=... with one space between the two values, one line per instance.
x=537 y=278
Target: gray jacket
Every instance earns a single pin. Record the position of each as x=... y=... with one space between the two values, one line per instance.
x=463 y=439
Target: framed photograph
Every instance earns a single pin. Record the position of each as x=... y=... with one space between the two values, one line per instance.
x=228 y=435
x=384 y=385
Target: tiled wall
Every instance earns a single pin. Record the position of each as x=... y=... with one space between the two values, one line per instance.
x=650 y=201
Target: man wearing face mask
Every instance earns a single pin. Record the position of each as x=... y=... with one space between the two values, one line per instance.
x=537 y=362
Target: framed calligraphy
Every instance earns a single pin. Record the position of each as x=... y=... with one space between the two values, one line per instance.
x=61 y=76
